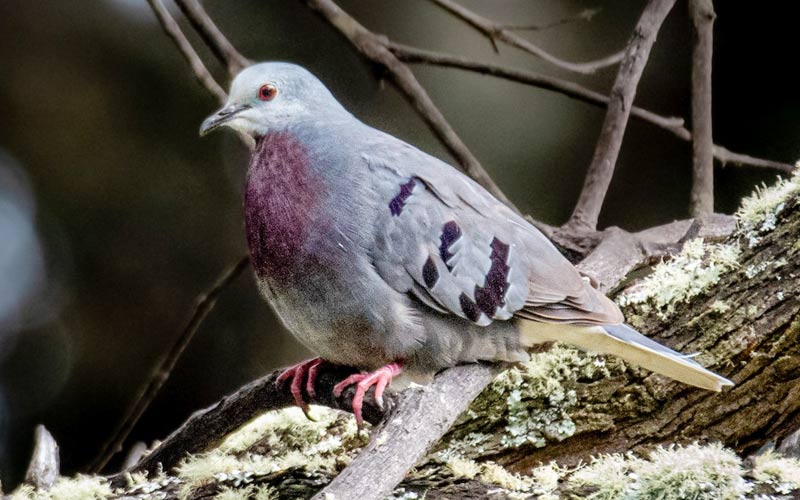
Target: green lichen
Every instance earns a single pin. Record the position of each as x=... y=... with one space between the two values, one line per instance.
x=529 y=403
x=688 y=274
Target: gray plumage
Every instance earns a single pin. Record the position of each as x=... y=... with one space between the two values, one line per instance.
x=373 y=252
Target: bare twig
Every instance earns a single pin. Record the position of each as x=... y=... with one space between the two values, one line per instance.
x=496 y=32
x=601 y=169
x=421 y=417
x=160 y=375
x=575 y=91
x=222 y=48
x=584 y=15
x=570 y=89
x=701 y=201
x=172 y=30
x=44 y=469
x=374 y=49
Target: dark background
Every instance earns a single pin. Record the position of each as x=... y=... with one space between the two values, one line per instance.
x=114 y=215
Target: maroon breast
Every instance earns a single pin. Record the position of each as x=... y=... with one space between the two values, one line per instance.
x=282 y=201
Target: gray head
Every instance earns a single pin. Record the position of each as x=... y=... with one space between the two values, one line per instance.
x=272 y=96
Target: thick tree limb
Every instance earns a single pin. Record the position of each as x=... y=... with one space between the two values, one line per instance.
x=205 y=305
x=701 y=199
x=422 y=416
x=496 y=32
x=601 y=169
x=208 y=427
x=219 y=44
x=199 y=70
x=375 y=50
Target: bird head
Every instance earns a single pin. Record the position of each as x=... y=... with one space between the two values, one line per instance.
x=271 y=96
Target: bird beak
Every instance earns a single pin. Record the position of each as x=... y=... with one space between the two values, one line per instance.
x=221 y=117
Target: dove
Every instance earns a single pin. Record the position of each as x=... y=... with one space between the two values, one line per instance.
x=381 y=257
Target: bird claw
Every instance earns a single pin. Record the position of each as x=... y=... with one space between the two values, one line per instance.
x=305 y=371
x=380 y=378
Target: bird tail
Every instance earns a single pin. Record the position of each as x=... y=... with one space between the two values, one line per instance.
x=630 y=345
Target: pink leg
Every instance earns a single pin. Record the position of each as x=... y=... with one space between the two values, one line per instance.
x=303 y=371
x=380 y=378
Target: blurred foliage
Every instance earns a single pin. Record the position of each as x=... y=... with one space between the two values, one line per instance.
x=135 y=215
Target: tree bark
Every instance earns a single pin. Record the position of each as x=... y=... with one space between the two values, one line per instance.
x=746 y=327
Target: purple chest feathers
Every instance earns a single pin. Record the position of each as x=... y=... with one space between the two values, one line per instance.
x=282 y=206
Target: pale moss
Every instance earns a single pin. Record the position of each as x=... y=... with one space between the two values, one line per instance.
x=691 y=272
x=695 y=471
x=250 y=492
x=759 y=208
x=608 y=475
x=781 y=473
x=710 y=472
x=79 y=487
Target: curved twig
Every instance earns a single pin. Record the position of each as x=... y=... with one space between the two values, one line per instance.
x=497 y=32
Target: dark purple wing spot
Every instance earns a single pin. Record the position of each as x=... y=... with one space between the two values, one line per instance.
x=399 y=202
x=492 y=294
x=470 y=308
x=450 y=234
x=429 y=273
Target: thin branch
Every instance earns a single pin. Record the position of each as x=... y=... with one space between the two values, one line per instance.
x=702 y=195
x=375 y=50
x=496 y=32
x=160 y=375
x=576 y=91
x=598 y=177
x=570 y=89
x=584 y=15
x=172 y=30
x=219 y=44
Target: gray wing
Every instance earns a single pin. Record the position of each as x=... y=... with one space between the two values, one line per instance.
x=446 y=241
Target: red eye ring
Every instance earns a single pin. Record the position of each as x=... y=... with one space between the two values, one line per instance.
x=267 y=92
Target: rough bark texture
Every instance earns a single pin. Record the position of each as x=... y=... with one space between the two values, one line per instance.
x=564 y=407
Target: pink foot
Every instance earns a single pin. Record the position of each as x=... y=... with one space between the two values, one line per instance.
x=380 y=378
x=304 y=370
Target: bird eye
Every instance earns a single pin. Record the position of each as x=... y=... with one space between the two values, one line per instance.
x=267 y=92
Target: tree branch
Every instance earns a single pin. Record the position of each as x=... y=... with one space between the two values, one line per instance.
x=422 y=416
x=584 y=15
x=222 y=48
x=576 y=91
x=497 y=32
x=374 y=48
x=205 y=305
x=601 y=170
x=207 y=428
x=701 y=200
x=172 y=30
